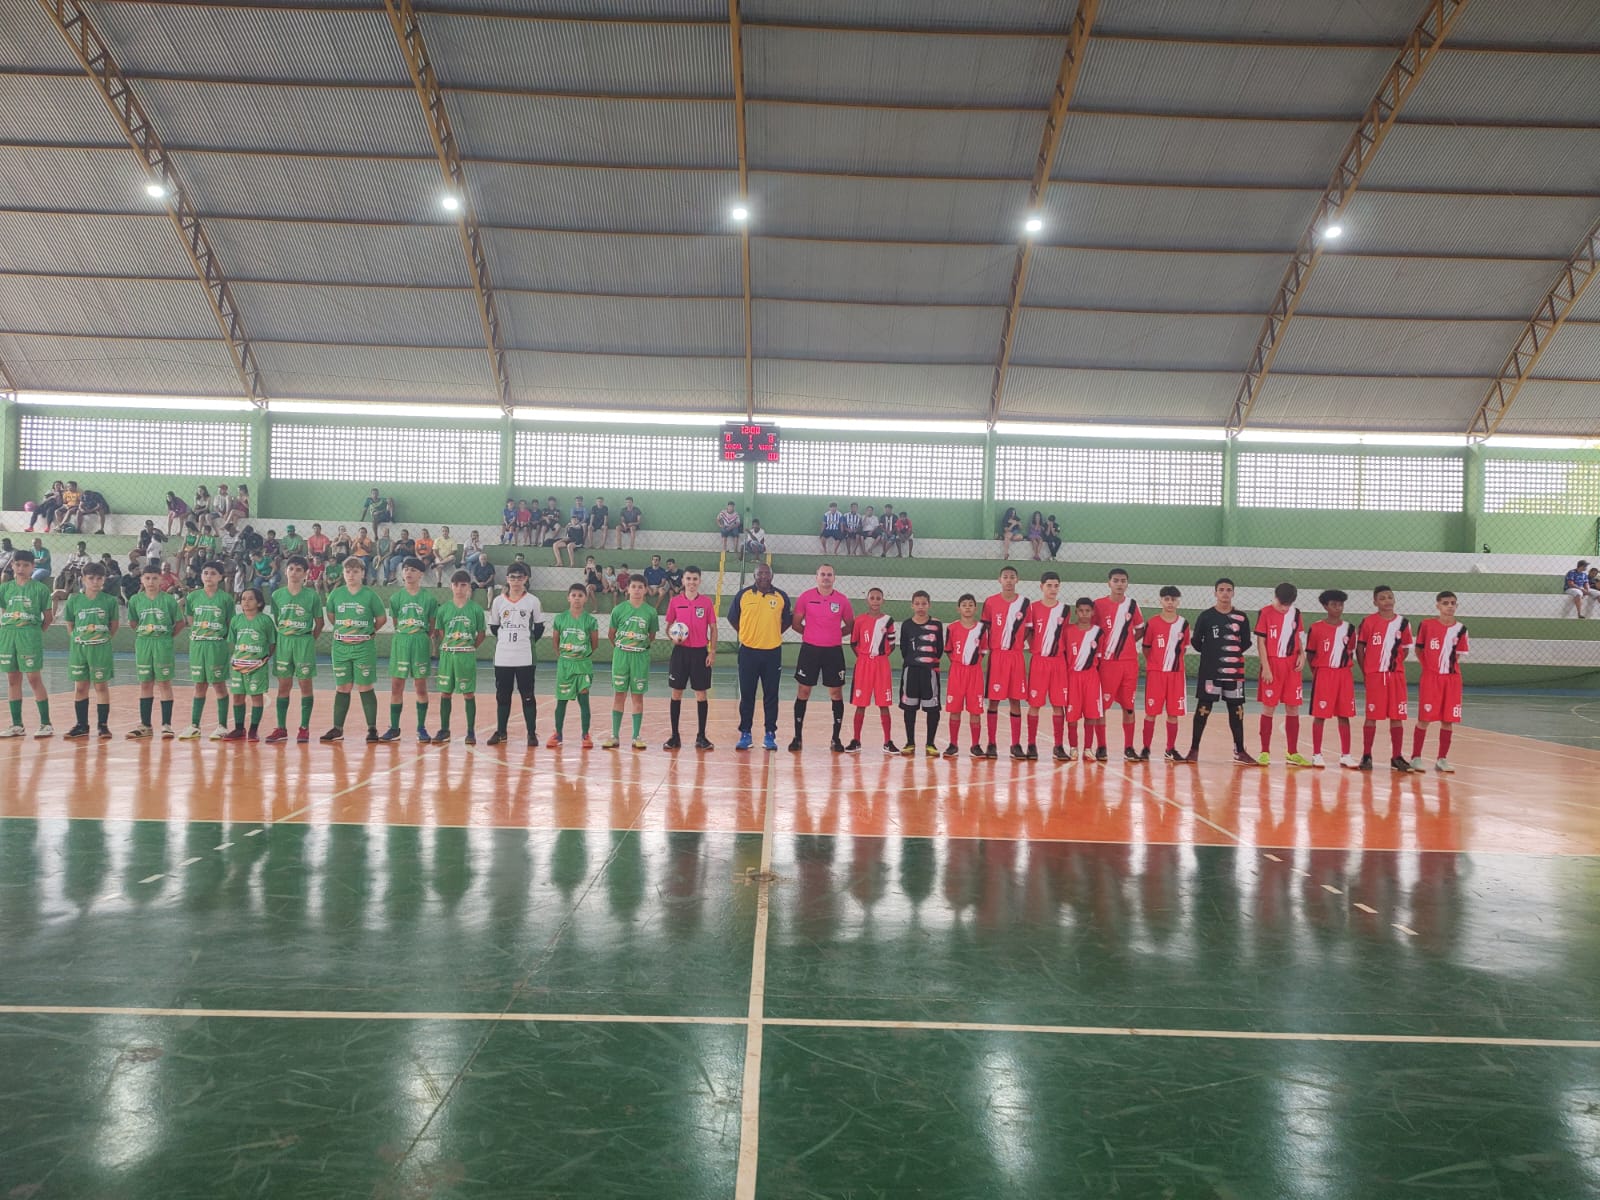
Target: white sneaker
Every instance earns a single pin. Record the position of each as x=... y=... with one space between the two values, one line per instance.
x=1072 y=754
x=44 y=731
x=1443 y=767
x=220 y=732
x=190 y=733
x=1316 y=761
x=167 y=731
x=13 y=731
x=1349 y=760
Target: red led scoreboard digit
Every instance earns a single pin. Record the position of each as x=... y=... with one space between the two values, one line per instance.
x=744 y=442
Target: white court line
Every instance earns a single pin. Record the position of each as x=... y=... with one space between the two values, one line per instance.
x=1536 y=746
x=744 y=1187
x=1206 y=821
x=294 y=1014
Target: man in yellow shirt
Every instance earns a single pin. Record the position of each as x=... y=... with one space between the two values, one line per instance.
x=760 y=614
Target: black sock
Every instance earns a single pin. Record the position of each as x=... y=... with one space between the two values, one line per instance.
x=838 y=718
x=1236 y=724
x=1200 y=719
x=675 y=710
x=799 y=716
x=103 y=714
x=702 y=709
x=81 y=709
x=933 y=724
x=530 y=715
x=502 y=714
x=910 y=715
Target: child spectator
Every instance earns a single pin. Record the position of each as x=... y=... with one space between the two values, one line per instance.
x=72 y=569
x=572 y=539
x=869 y=530
x=755 y=541
x=425 y=552
x=886 y=528
x=70 y=499
x=1577 y=584
x=852 y=530
x=730 y=526
x=524 y=520
x=316 y=544
x=832 y=527
x=655 y=578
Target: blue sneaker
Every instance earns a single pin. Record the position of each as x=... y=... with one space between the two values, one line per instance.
x=770 y=742
x=423 y=736
x=745 y=742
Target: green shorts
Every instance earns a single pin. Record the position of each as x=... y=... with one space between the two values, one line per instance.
x=21 y=649
x=295 y=657
x=630 y=671
x=208 y=662
x=89 y=663
x=250 y=683
x=355 y=662
x=153 y=659
x=458 y=673
x=410 y=656
x=573 y=675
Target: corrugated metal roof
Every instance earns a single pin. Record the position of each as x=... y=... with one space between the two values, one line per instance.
x=1175 y=218
x=583 y=198
x=106 y=307
x=622 y=325
x=581 y=56
x=901 y=69
x=1150 y=397
x=315 y=188
x=316 y=119
x=587 y=262
x=1346 y=20
x=617 y=381
x=853 y=389
x=867 y=332
x=418 y=256
x=1469 y=86
x=120 y=365
x=1555 y=410
x=1426 y=287
x=1027 y=16
x=1515 y=226
x=91 y=245
x=1271 y=81
x=291 y=45
x=1559 y=24
x=361 y=316
x=901 y=142
x=52 y=179
x=644 y=10
x=1409 y=405
x=55 y=110
x=1141 y=279
x=880 y=272
x=887 y=209
x=1187 y=150
x=1477 y=159
x=1333 y=346
x=305 y=372
x=1141 y=341
x=32 y=39
x=1588 y=306
x=564 y=129
x=1573 y=354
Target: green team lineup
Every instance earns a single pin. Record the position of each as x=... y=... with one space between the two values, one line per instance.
x=1080 y=658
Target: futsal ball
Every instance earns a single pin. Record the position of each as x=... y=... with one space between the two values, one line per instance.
x=27 y=506
x=677 y=632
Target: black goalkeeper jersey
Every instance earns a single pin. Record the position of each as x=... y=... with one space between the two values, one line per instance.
x=922 y=645
x=1221 y=640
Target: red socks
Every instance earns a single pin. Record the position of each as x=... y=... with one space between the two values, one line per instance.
x=1033 y=728
x=861 y=716
x=1127 y=731
x=1344 y=735
x=1369 y=732
x=888 y=733
x=1266 y=733
x=1291 y=730
x=1100 y=736
x=1172 y=735
x=1149 y=731
x=1072 y=735
x=977 y=728
x=1316 y=738
x=1058 y=721
x=1445 y=735
x=994 y=724
x=1397 y=734
x=1016 y=729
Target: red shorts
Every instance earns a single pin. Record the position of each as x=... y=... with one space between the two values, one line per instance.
x=1287 y=686
x=1047 y=682
x=871 y=684
x=1008 y=675
x=1386 y=696
x=1119 y=680
x=1163 y=692
x=965 y=690
x=1333 y=693
x=1085 y=701
x=1439 y=697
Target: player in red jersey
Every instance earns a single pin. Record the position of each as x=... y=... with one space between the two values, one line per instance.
x=1120 y=629
x=1004 y=615
x=1281 y=643
x=1385 y=637
x=1166 y=638
x=1047 y=672
x=1441 y=641
x=872 y=638
x=1330 y=649
x=1085 y=701
x=964 y=643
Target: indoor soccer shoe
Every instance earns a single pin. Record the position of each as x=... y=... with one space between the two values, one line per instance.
x=279 y=734
x=76 y=732
x=1174 y=756
x=220 y=732
x=236 y=734
x=1243 y=759
x=1399 y=764
x=610 y=743
x=302 y=736
x=702 y=742
x=1298 y=760
x=139 y=732
x=952 y=750
x=372 y=734
x=745 y=742
x=335 y=734
x=1144 y=755
x=391 y=734
x=794 y=746
x=836 y=746
x=1442 y=765
x=587 y=743
x=191 y=733
x=890 y=748
x=554 y=743
x=425 y=738
x=1317 y=761
x=1264 y=759
x=930 y=750
x=104 y=731
x=770 y=742
x=470 y=740
x=1129 y=754
x=640 y=744
x=908 y=750
x=672 y=743
x=1349 y=760
x=1365 y=764
x=1060 y=754
x=853 y=747
x=44 y=731
x=1018 y=752
x=438 y=739
x=13 y=731
x=1100 y=755
x=1033 y=752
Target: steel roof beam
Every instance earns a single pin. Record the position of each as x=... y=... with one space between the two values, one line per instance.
x=736 y=47
x=1576 y=274
x=1415 y=57
x=96 y=58
x=1054 y=123
x=408 y=31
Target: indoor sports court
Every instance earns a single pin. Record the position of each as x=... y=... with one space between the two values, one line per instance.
x=854 y=309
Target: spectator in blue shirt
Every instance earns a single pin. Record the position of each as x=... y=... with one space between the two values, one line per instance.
x=1579 y=584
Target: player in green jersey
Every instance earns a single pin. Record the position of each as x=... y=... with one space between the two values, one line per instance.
x=355 y=614
x=411 y=648
x=633 y=627
x=209 y=610
x=297 y=612
x=251 y=634
x=26 y=607
x=156 y=618
x=577 y=634
x=462 y=626
x=91 y=617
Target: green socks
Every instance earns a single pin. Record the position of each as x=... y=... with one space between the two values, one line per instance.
x=256 y=714
x=146 y=704
x=197 y=711
x=222 y=710
x=638 y=724
x=16 y=712
x=472 y=714
x=238 y=714
x=102 y=714
x=583 y=710
x=306 y=703
x=283 y=711
x=44 y=711
x=422 y=714
x=369 y=706
x=341 y=708
x=80 y=711
x=166 y=712
x=616 y=723
x=444 y=714
x=561 y=716
x=394 y=715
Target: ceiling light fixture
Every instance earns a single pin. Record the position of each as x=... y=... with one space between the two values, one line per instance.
x=1333 y=233
x=155 y=190
x=740 y=212
x=1033 y=224
x=449 y=202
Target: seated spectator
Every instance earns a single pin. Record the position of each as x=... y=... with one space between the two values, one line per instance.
x=508 y=522
x=599 y=524
x=854 y=523
x=382 y=548
x=72 y=568
x=228 y=552
x=579 y=512
x=169 y=579
x=1052 y=535
x=655 y=578
x=200 y=509
x=551 y=523
x=611 y=588
x=886 y=522
x=674 y=578
x=177 y=512
x=904 y=536
x=130 y=583
x=473 y=550
x=526 y=521
x=869 y=529
x=7 y=553
x=239 y=510
x=1577 y=584
x=67 y=518
x=151 y=541
x=264 y=572
x=290 y=544
x=482 y=571
x=628 y=522
x=403 y=548
x=730 y=527
x=48 y=508
x=1010 y=531
x=572 y=538
x=249 y=540
x=339 y=548
x=317 y=574
x=317 y=543
x=624 y=578
x=424 y=553
x=363 y=548
x=92 y=505
x=1036 y=533
x=594 y=579
x=41 y=562
x=755 y=541
x=272 y=546
x=446 y=553
x=190 y=546
x=832 y=527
